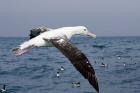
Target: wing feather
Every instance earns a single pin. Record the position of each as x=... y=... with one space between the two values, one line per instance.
x=78 y=59
x=37 y=31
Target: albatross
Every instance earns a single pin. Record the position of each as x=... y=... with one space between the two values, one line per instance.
x=60 y=38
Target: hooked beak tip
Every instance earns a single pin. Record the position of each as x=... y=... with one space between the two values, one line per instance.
x=91 y=34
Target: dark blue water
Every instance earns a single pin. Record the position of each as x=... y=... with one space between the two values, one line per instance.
x=35 y=72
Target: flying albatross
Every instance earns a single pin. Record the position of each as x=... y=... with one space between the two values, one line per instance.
x=60 y=39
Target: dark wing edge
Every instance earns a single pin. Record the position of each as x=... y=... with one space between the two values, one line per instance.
x=37 y=31
x=78 y=59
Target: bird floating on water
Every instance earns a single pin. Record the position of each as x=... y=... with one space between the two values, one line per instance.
x=3 y=89
x=104 y=65
x=60 y=71
x=61 y=68
x=60 y=39
x=75 y=84
x=58 y=74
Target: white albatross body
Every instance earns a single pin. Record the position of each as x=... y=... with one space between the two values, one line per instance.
x=60 y=39
x=39 y=41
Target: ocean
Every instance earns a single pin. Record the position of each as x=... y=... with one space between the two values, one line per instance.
x=35 y=72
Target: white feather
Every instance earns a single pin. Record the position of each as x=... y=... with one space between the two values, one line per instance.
x=39 y=41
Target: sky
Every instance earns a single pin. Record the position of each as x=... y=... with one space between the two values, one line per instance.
x=103 y=17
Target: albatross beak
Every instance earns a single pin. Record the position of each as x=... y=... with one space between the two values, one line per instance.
x=91 y=35
x=18 y=51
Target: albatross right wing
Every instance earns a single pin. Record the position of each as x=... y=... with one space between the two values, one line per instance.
x=78 y=59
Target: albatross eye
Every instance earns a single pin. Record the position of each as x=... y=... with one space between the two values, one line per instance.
x=85 y=30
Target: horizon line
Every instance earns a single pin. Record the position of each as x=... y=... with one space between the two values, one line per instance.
x=79 y=36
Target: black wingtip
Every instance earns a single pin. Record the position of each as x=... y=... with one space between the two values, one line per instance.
x=96 y=86
x=94 y=82
x=97 y=89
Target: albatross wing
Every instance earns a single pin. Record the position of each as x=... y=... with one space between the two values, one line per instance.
x=78 y=59
x=37 y=31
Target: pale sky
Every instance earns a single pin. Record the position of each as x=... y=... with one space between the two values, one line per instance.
x=103 y=17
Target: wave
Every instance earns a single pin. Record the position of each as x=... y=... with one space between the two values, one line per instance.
x=99 y=46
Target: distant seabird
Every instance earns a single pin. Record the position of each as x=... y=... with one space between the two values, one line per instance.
x=104 y=65
x=58 y=74
x=60 y=71
x=61 y=68
x=60 y=39
x=75 y=84
x=3 y=90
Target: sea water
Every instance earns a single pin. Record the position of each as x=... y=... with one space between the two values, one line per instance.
x=35 y=72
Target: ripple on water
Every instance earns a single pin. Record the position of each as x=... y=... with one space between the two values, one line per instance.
x=36 y=71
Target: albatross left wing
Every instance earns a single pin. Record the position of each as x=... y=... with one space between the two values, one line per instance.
x=37 y=31
x=78 y=59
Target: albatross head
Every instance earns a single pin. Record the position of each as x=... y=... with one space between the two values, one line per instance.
x=83 y=31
